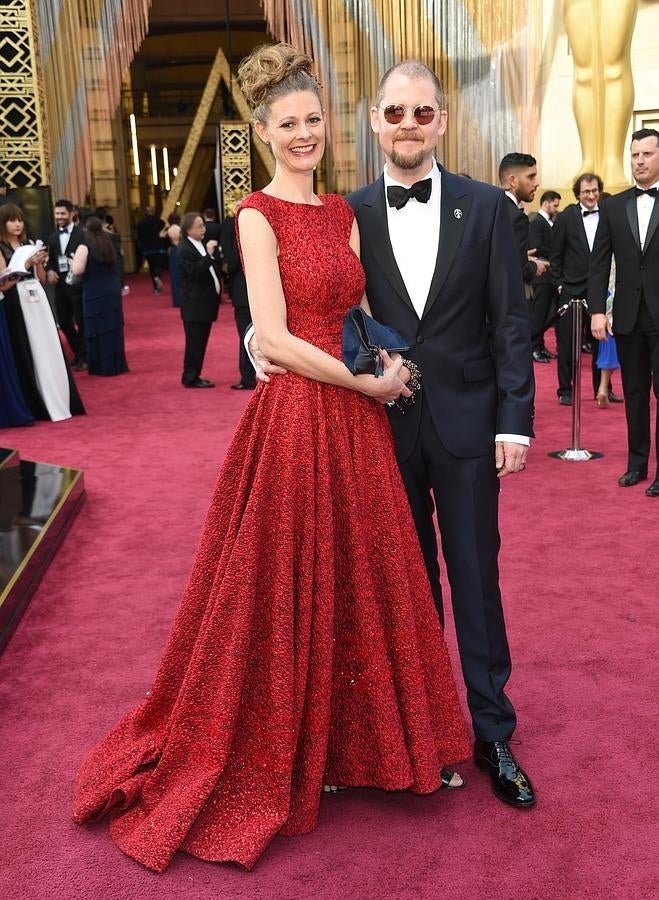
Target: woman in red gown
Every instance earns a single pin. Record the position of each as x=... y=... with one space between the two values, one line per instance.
x=307 y=649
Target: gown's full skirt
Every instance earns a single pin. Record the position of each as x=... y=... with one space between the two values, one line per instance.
x=306 y=649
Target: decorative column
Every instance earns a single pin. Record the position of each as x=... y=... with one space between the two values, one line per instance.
x=24 y=160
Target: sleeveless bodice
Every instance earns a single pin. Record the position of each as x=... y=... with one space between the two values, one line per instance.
x=320 y=274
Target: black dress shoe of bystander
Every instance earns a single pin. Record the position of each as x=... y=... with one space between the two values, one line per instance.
x=653 y=490
x=509 y=781
x=629 y=479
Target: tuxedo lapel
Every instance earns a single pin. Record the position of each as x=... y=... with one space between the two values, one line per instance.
x=581 y=229
x=652 y=224
x=375 y=232
x=632 y=217
x=454 y=212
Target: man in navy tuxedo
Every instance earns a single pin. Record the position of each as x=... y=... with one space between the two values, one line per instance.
x=442 y=269
x=629 y=229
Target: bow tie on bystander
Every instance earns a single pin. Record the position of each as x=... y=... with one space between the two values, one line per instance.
x=398 y=196
x=589 y=212
x=63 y=230
x=651 y=192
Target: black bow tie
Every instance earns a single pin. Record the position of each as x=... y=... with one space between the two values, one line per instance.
x=589 y=212
x=398 y=196
x=651 y=192
x=63 y=230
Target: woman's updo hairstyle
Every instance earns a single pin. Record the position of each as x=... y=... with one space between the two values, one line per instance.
x=271 y=71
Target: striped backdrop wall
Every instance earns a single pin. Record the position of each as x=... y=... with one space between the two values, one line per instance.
x=486 y=55
x=85 y=47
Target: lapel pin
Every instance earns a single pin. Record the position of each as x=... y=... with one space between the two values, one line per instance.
x=457 y=213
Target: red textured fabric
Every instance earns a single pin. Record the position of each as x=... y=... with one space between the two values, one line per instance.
x=307 y=648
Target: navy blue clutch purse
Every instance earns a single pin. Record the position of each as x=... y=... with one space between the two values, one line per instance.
x=363 y=338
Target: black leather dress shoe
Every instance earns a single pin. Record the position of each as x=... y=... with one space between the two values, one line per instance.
x=539 y=357
x=653 y=490
x=509 y=781
x=629 y=479
x=200 y=383
x=614 y=398
x=548 y=353
x=565 y=399
x=242 y=387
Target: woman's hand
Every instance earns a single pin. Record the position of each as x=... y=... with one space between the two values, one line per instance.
x=37 y=259
x=390 y=386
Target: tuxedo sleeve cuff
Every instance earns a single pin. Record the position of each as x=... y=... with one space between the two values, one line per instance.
x=513 y=439
x=249 y=334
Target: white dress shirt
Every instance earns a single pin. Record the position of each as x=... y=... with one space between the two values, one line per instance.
x=414 y=235
x=590 y=223
x=545 y=215
x=62 y=259
x=202 y=250
x=644 y=207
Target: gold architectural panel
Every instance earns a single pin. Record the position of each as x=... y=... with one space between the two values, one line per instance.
x=235 y=163
x=23 y=158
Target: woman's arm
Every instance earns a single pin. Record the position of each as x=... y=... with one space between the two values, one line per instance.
x=268 y=309
x=79 y=261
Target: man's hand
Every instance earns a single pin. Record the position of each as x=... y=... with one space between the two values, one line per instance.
x=541 y=265
x=211 y=247
x=52 y=277
x=264 y=368
x=509 y=457
x=600 y=326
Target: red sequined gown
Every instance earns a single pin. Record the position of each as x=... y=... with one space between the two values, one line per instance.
x=307 y=649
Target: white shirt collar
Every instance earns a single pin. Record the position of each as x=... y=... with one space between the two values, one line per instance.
x=545 y=215
x=513 y=198
x=198 y=244
x=585 y=208
x=655 y=185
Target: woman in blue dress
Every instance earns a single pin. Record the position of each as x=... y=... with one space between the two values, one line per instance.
x=95 y=262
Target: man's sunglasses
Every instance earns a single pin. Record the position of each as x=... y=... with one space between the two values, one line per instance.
x=423 y=115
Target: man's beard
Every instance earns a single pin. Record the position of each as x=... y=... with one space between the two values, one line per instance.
x=412 y=161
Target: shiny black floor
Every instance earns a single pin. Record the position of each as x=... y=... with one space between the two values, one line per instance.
x=38 y=503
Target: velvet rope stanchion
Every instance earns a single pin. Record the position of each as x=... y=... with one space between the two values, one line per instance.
x=575 y=453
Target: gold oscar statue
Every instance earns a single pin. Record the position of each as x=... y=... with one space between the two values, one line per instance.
x=600 y=36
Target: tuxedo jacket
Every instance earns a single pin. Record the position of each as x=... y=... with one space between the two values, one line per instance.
x=236 y=282
x=472 y=342
x=637 y=272
x=570 y=253
x=200 y=301
x=76 y=237
x=520 y=224
x=541 y=235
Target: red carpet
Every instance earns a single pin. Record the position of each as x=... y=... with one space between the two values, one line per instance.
x=580 y=578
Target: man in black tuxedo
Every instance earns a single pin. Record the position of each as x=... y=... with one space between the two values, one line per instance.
x=629 y=230
x=62 y=244
x=518 y=176
x=442 y=269
x=213 y=227
x=575 y=231
x=199 y=265
x=544 y=292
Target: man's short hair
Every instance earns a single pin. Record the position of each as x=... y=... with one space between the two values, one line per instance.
x=550 y=195
x=411 y=68
x=645 y=133
x=65 y=203
x=515 y=161
x=587 y=176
